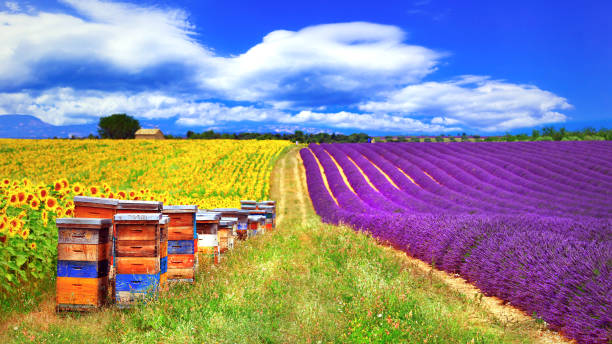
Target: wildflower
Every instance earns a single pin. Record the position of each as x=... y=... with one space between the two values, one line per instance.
x=25 y=234
x=29 y=198
x=3 y=227
x=93 y=190
x=58 y=186
x=77 y=188
x=6 y=182
x=64 y=182
x=43 y=194
x=50 y=203
x=132 y=194
x=21 y=197
x=34 y=204
x=13 y=200
x=121 y=194
x=45 y=217
x=33 y=246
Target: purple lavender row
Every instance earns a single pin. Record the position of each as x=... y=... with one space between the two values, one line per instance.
x=517 y=174
x=507 y=183
x=463 y=181
x=453 y=163
x=347 y=199
x=466 y=204
x=369 y=195
x=556 y=167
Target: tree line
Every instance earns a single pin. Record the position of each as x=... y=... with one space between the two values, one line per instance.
x=122 y=126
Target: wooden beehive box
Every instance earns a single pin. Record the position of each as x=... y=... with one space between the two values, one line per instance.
x=269 y=216
x=248 y=205
x=241 y=217
x=226 y=239
x=83 y=261
x=138 y=256
x=182 y=242
x=207 y=226
x=99 y=208
x=257 y=223
x=133 y=207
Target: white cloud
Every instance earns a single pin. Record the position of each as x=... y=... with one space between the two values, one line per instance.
x=120 y=35
x=345 y=57
x=476 y=101
x=12 y=5
x=306 y=71
x=364 y=121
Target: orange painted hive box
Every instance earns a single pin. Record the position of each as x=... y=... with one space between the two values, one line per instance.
x=83 y=263
x=138 y=256
x=182 y=242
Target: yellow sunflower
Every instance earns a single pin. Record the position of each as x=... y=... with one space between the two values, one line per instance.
x=50 y=203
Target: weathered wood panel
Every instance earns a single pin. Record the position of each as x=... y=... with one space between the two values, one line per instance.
x=81 y=291
x=138 y=265
x=136 y=232
x=83 y=252
x=180 y=261
x=136 y=248
x=83 y=236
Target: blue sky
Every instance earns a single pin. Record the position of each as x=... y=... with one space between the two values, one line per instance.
x=382 y=67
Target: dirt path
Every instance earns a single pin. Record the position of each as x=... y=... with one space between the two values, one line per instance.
x=505 y=314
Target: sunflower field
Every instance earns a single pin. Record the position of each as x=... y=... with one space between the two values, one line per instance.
x=39 y=178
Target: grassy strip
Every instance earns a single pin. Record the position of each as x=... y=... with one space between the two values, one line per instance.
x=306 y=282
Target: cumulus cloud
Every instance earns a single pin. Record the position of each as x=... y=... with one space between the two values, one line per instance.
x=121 y=36
x=346 y=57
x=475 y=101
x=103 y=57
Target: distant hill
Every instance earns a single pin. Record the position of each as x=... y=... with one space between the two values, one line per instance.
x=30 y=127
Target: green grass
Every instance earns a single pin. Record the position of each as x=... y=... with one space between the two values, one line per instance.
x=306 y=282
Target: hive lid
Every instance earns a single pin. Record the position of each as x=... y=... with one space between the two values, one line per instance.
x=140 y=205
x=267 y=208
x=164 y=220
x=96 y=200
x=169 y=209
x=83 y=221
x=257 y=218
x=208 y=216
x=270 y=202
x=139 y=217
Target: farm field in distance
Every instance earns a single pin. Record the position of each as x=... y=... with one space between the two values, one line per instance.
x=530 y=223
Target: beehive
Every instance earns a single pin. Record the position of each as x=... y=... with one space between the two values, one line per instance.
x=98 y=208
x=226 y=238
x=248 y=205
x=242 y=220
x=133 y=207
x=137 y=256
x=83 y=253
x=267 y=205
x=182 y=242
x=207 y=226
x=269 y=215
x=257 y=223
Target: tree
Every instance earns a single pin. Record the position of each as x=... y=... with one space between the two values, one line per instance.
x=118 y=126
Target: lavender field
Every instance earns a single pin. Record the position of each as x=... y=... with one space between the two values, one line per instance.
x=528 y=222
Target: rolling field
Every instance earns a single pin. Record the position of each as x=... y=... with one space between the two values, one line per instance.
x=532 y=229
x=39 y=178
x=530 y=223
x=305 y=282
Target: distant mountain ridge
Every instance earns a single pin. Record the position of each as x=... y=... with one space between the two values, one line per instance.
x=30 y=127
